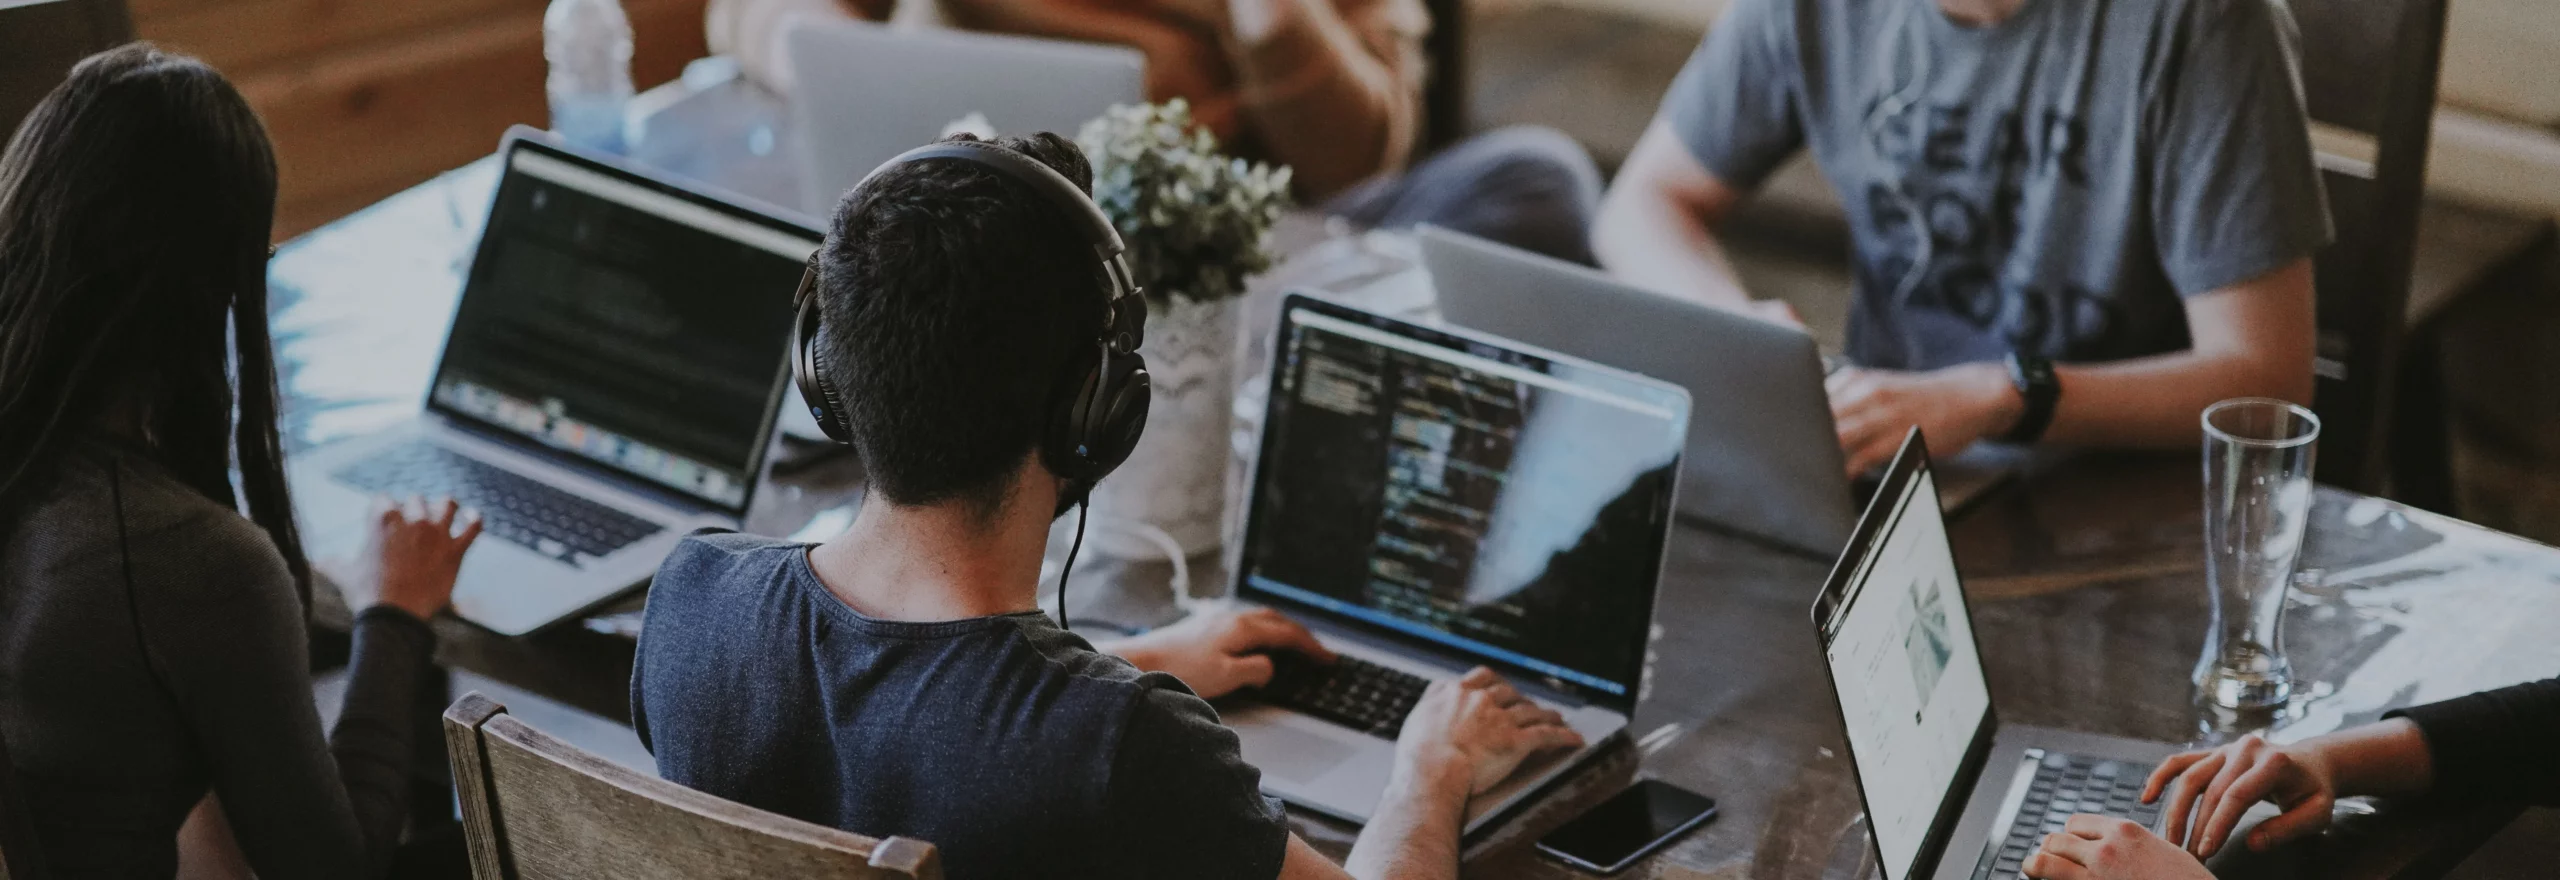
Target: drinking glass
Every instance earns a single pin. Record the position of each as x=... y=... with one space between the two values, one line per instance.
x=2257 y=499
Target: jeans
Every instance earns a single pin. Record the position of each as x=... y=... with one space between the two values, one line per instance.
x=1528 y=187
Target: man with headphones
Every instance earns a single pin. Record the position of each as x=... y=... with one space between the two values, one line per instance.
x=2073 y=222
x=970 y=329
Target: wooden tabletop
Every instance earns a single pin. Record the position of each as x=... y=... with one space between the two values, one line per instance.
x=2085 y=579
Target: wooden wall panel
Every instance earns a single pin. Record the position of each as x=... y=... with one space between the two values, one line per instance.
x=367 y=97
x=247 y=35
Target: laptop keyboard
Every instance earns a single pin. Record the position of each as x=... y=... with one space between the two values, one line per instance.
x=2066 y=785
x=1354 y=693
x=512 y=507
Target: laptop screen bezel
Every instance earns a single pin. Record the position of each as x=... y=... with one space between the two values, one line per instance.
x=1457 y=341
x=1882 y=515
x=522 y=138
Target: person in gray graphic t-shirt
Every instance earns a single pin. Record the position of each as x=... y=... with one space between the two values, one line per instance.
x=2123 y=188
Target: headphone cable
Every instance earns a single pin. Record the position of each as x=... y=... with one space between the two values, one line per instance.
x=1070 y=568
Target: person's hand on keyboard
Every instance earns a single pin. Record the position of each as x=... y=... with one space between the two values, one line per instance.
x=1468 y=733
x=1219 y=653
x=2100 y=848
x=2218 y=786
x=412 y=555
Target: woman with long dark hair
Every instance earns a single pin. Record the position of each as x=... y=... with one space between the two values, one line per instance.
x=152 y=640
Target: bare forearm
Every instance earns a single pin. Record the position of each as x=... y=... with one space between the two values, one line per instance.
x=2156 y=402
x=2389 y=758
x=1414 y=835
x=1651 y=241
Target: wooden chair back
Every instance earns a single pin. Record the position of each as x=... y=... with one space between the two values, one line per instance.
x=41 y=39
x=18 y=857
x=2369 y=69
x=536 y=808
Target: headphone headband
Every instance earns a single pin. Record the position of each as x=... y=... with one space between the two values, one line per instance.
x=1097 y=423
x=1030 y=172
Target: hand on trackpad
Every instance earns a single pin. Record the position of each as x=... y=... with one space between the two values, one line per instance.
x=2240 y=862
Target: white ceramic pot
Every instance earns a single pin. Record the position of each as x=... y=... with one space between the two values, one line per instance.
x=1176 y=479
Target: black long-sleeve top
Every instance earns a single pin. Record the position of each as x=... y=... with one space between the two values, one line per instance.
x=152 y=649
x=2501 y=745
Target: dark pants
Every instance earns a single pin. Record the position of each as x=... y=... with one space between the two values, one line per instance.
x=1529 y=187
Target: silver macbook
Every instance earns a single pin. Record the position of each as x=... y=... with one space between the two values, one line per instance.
x=1764 y=455
x=1953 y=794
x=1429 y=501
x=608 y=385
x=863 y=93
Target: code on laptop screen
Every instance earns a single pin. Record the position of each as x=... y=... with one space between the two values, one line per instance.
x=635 y=327
x=1500 y=504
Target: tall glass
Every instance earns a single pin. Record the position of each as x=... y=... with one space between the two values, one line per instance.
x=2257 y=498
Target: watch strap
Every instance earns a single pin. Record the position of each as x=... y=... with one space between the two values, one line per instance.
x=2040 y=389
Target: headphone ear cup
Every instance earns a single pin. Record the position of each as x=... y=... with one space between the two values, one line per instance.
x=1059 y=447
x=808 y=368
x=836 y=422
x=1090 y=436
x=1123 y=418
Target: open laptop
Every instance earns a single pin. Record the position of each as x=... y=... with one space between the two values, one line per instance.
x=1764 y=456
x=608 y=385
x=1951 y=792
x=1430 y=501
x=863 y=93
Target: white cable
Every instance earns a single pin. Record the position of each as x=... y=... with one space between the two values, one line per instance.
x=1892 y=104
x=1165 y=544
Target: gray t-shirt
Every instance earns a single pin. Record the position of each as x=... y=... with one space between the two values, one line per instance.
x=1009 y=744
x=2077 y=168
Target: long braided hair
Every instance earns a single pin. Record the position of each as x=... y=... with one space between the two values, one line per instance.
x=135 y=205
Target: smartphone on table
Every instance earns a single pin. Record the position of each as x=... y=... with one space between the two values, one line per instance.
x=1628 y=826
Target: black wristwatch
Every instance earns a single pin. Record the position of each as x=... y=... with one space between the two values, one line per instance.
x=2034 y=379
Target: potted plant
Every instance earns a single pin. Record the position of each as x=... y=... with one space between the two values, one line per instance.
x=1197 y=224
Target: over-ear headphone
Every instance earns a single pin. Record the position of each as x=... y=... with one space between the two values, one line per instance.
x=1089 y=430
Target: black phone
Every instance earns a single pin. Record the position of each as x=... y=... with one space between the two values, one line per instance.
x=1628 y=826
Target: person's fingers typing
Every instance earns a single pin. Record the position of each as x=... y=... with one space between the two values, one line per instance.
x=2182 y=798
x=2166 y=772
x=2244 y=792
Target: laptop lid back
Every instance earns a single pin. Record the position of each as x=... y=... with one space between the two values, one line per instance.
x=1494 y=503
x=862 y=93
x=1763 y=456
x=625 y=324
x=1897 y=639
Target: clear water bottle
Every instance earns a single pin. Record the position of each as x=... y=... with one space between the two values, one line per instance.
x=588 y=43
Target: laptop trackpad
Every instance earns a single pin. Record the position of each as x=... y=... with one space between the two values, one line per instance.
x=1294 y=754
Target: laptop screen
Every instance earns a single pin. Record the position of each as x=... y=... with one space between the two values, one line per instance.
x=1900 y=644
x=629 y=323
x=1508 y=506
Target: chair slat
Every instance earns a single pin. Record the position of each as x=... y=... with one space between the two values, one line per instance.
x=556 y=812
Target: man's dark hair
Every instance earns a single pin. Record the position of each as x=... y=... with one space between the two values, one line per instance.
x=960 y=306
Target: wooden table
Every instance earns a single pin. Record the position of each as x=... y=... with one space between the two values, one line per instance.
x=2085 y=579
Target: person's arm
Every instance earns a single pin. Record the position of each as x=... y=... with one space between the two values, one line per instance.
x=1333 y=88
x=2251 y=339
x=1731 y=117
x=233 y=648
x=1657 y=225
x=2492 y=746
x=1464 y=737
x=223 y=625
x=1216 y=653
x=2209 y=792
